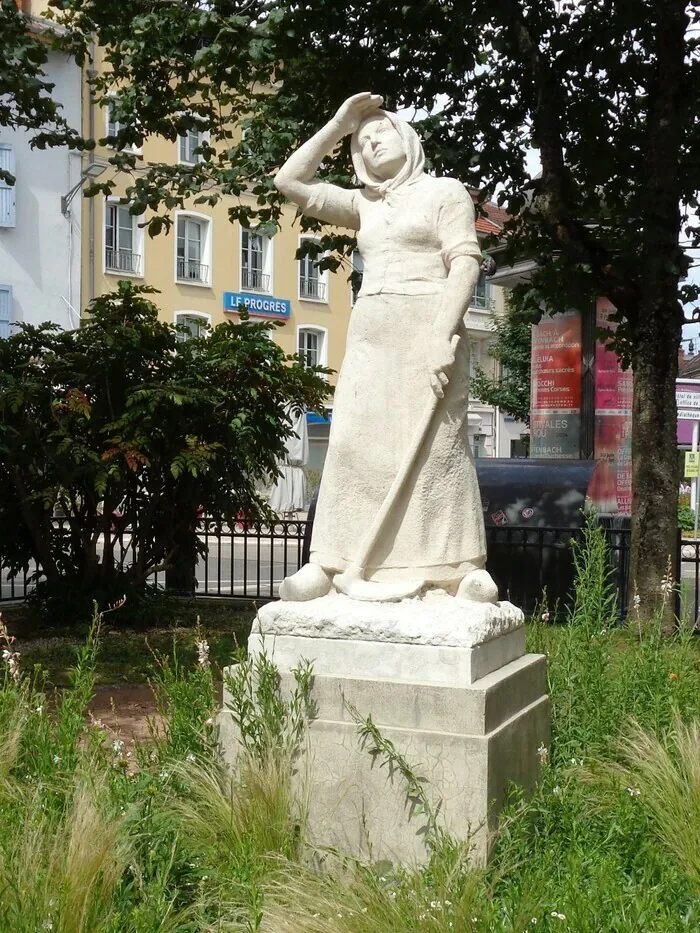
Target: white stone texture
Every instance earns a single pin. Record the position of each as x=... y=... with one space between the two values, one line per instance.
x=446 y=681
x=435 y=619
x=401 y=404
x=469 y=741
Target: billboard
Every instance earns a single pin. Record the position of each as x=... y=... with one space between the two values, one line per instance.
x=555 y=404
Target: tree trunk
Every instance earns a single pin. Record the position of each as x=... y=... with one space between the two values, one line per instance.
x=654 y=458
x=657 y=326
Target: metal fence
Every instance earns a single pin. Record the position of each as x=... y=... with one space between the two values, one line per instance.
x=249 y=560
x=246 y=560
x=533 y=564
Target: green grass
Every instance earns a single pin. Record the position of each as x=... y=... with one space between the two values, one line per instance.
x=127 y=655
x=608 y=843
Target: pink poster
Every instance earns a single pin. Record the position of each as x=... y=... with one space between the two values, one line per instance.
x=555 y=405
x=612 y=490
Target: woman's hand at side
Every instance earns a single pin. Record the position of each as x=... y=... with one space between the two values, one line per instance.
x=441 y=359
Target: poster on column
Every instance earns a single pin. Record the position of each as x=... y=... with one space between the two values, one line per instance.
x=555 y=409
x=612 y=489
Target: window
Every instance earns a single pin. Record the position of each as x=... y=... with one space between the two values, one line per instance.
x=193 y=249
x=197 y=324
x=311 y=345
x=478 y=445
x=256 y=262
x=481 y=299
x=123 y=240
x=6 y=311
x=474 y=357
x=313 y=283
x=8 y=198
x=358 y=268
x=113 y=127
x=189 y=144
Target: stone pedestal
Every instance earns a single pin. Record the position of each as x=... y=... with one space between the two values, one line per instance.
x=447 y=681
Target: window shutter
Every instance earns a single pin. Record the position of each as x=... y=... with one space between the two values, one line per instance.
x=6 y=316
x=8 y=199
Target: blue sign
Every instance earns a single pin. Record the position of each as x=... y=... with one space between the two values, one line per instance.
x=258 y=305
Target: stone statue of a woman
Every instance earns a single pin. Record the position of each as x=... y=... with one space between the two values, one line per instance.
x=399 y=429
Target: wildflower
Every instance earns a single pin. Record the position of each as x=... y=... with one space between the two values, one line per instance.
x=633 y=791
x=545 y=616
x=557 y=791
x=56 y=759
x=543 y=753
x=202 y=654
x=117 y=746
x=39 y=710
x=47 y=925
x=165 y=775
x=636 y=601
x=558 y=916
x=191 y=757
x=673 y=676
x=667 y=582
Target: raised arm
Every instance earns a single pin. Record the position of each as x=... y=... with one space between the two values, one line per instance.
x=295 y=178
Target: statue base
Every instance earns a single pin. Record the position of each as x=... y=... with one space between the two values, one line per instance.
x=446 y=681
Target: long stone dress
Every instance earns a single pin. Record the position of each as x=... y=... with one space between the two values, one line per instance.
x=409 y=234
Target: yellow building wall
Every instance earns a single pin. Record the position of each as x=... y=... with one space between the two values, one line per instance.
x=158 y=261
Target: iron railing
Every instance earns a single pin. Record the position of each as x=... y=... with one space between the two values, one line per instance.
x=122 y=260
x=248 y=560
x=254 y=280
x=190 y=270
x=312 y=288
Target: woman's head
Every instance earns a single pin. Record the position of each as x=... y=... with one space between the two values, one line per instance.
x=381 y=147
x=386 y=152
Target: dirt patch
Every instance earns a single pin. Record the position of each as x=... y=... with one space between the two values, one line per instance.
x=127 y=710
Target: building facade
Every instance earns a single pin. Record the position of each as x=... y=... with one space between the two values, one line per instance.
x=59 y=250
x=40 y=233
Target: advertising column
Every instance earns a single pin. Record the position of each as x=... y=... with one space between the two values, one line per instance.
x=555 y=409
x=612 y=485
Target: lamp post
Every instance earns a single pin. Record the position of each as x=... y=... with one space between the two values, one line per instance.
x=92 y=171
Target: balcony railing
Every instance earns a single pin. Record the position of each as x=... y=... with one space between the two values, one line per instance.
x=191 y=271
x=312 y=288
x=123 y=260
x=254 y=280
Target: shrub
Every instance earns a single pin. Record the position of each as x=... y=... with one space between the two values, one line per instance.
x=127 y=431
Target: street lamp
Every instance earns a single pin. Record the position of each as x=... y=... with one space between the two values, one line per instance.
x=91 y=171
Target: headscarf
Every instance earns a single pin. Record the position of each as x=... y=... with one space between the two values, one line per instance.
x=412 y=168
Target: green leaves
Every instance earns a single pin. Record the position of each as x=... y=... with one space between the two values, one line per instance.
x=123 y=416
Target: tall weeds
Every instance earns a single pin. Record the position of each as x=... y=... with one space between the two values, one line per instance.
x=609 y=841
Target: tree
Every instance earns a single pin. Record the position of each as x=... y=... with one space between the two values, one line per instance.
x=609 y=93
x=123 y=425
x=509 y=390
